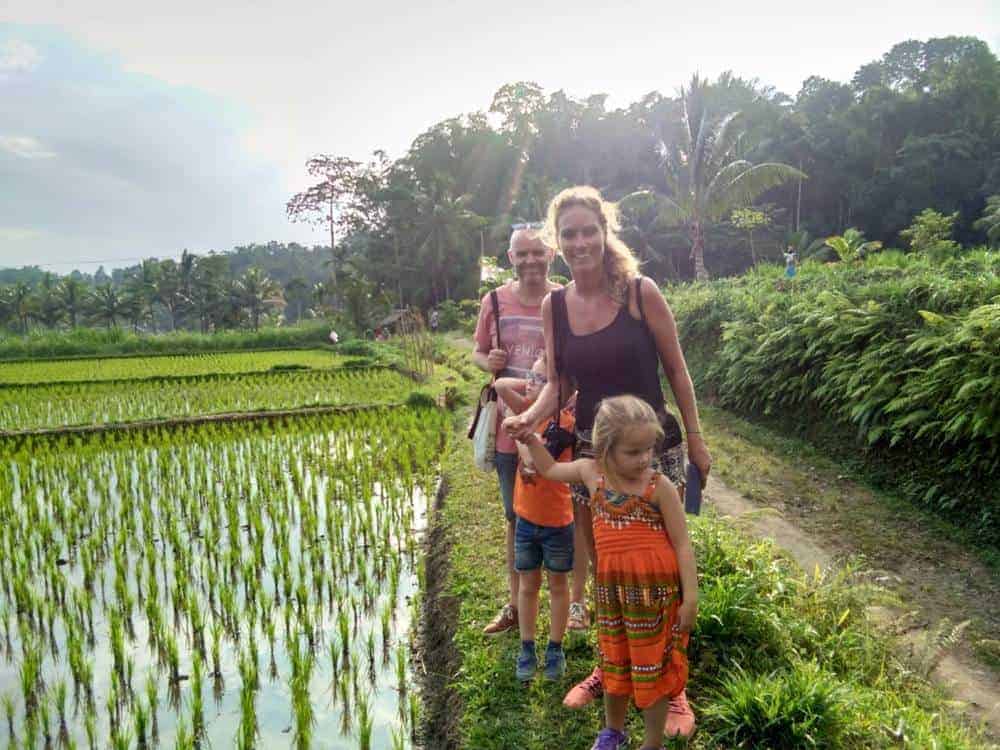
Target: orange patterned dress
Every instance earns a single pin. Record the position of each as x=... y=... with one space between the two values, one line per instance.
x=638 y=595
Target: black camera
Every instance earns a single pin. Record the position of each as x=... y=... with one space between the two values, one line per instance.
x=557 y=439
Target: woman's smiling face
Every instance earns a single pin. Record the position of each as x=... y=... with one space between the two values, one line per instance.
x=581 y=239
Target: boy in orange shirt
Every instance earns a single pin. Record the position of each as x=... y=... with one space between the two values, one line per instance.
x=544 y=528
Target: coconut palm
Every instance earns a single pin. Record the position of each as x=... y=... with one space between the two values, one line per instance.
x=49 y=308
x=19 y=304
x=989 y=222
x=705 y=172
x=445 y=228
x=256 y=292
x=75 y=298
x=107 y=305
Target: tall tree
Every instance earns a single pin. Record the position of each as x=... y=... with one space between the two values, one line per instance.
x=704 y=169
x=320 y=204
x=107 y=305
x=75 y=298
x=49 y=307
x=256 y=293
x=446 y=230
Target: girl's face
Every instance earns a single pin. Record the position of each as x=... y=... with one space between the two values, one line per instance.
x=536 y=380
x=581 y=239
x=632 y=453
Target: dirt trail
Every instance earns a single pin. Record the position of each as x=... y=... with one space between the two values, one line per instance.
x=976 y=687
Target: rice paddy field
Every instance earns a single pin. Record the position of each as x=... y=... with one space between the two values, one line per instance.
x=57 y=404
x=28 y=372
x=240 y=584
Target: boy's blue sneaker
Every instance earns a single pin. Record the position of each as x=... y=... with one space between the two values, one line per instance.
x=609 y=739
x=527 y=663
x=555 y=662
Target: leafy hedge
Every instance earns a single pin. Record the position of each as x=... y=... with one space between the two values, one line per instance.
x=904 y=351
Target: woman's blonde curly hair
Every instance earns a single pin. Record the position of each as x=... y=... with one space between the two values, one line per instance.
x=620 y=263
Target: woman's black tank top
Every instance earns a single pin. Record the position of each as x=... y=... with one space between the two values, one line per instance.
x=619 y=358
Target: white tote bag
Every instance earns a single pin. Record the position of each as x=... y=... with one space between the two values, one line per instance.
x=483 y=430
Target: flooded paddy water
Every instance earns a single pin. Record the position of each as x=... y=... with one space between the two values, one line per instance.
x=247 y=585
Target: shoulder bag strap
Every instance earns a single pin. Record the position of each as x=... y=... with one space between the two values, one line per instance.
x=559 y=314
x=638 y=300
x=496 y=314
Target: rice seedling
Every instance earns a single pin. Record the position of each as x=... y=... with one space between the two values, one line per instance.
x=153 y=702
x=59 y=698
x=8 y=711
x=364 y=722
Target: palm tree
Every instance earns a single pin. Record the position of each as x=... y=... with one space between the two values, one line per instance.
x=107 y=305
x=168 y=291
x=74 y=297
x=49 y=308
x=989 y=222
x=705 y=171
x=297 y=288
x=20 y=304
x=643 y=229
x=256 y=291
x=445 y=230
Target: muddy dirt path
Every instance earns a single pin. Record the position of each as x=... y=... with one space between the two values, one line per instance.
x=959 y=589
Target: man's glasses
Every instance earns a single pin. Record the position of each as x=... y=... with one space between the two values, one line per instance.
x=535 y=379
x=527 y=225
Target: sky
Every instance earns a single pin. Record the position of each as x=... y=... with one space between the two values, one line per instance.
x=129 y=130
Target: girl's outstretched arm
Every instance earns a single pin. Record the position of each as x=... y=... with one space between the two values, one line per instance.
x=569 y=472
x=672 y=510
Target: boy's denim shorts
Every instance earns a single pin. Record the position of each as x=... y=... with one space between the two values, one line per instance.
x=536 y=545
x=506 y=464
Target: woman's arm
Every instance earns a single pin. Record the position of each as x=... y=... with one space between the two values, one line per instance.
x=672 y=510
x=511 y=390
x=661 y=322
x=523 y=424
x=569 y=472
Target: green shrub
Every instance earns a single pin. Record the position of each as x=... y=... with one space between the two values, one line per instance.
x=899 y=349
x=356 y=348
x=420 y=400
x=930 y=234
x=801 y=707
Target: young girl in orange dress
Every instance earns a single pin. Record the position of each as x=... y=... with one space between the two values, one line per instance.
x=647 y=582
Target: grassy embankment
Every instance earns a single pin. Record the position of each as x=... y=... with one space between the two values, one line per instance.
x=781 y=658
x=96 y=342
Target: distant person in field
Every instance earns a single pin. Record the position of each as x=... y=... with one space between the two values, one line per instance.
x=434 y=319
x=647 y=582
x=612 y=330
x=521 y=341
x=543 y=536
x=791 y=259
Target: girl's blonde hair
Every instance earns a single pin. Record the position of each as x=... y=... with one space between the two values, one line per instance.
x=615 y=415
x=620 y=263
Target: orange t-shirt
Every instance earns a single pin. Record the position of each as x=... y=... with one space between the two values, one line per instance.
x=543 y=501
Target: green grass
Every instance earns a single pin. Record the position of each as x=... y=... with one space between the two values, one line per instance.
x=106 y=342
x=771 y=641
x=29 y=372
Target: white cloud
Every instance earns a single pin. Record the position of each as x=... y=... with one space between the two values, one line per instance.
x=17 y=56
x=24 y=146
